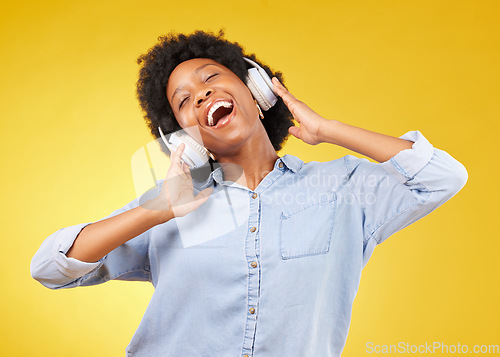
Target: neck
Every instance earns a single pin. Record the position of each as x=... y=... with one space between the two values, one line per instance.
x=251 y=163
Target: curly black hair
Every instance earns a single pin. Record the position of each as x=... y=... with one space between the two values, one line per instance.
x=172 y=49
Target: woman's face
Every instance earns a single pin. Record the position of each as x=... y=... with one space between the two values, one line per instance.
x=205 y=94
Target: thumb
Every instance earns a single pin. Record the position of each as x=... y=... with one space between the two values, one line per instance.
x=295 y=131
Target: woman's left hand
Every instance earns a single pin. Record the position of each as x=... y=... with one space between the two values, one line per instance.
x=310 y=122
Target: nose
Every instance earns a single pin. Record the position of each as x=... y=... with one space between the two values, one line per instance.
x=202 y=95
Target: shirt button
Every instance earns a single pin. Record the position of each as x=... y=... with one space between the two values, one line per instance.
x=253 y=264
x=253 y=229
x=280 y=165
x=245 y=356
x=254 y=196
x=252 y=310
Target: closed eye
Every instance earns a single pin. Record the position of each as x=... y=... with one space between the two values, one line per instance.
x=182 y=102
x=211 y=76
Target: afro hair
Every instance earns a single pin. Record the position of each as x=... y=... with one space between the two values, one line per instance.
x=171 y=50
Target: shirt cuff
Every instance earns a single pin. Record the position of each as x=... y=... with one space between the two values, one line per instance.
x=407 y=163
x=72 y=267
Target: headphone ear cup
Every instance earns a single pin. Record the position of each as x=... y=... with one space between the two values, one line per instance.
x=194 y=154
x=257 y=94
x=260 y=85
x=193 y=150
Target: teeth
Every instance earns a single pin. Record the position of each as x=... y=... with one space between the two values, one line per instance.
x=216 y=106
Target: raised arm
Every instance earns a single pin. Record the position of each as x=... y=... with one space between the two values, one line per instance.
x=118 y=244
x=315 y=129
x=403 y=187
x=99 y=238
x=176 y=199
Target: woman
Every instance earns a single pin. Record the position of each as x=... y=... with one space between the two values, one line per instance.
x=261 y=261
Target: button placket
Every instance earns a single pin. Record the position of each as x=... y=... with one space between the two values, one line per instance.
x=251 y=249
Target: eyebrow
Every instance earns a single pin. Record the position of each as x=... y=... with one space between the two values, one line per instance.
x=195 y=71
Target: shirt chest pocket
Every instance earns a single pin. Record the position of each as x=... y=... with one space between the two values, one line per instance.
x=307 y=229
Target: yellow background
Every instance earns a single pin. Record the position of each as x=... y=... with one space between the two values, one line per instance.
x=70 y=124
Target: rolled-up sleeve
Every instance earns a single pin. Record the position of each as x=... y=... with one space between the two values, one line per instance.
x=398 y=192
x=433 y=167
x=53 y=269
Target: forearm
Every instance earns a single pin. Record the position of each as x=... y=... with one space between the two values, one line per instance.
x=379 y=147
x=99 y=238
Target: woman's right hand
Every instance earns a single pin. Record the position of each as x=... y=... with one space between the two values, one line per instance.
x=176 y=197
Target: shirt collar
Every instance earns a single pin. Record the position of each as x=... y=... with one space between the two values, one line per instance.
x=290 y=162
x=293 y=163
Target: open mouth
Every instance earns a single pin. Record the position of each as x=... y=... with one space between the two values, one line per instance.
x=219 y=112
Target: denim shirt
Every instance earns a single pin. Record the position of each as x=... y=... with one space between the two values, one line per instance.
x=267 y=272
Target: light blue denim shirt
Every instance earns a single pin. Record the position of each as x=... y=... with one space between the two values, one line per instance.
x=269 y=272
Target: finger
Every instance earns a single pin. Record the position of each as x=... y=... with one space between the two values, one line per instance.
x=287 y=97
x=295 y=131
x=175 y=168
x=185 y=168
x=278 y=87
x=177 y=154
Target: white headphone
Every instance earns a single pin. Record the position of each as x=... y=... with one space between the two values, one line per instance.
x=195 y=154
x=260 y=85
